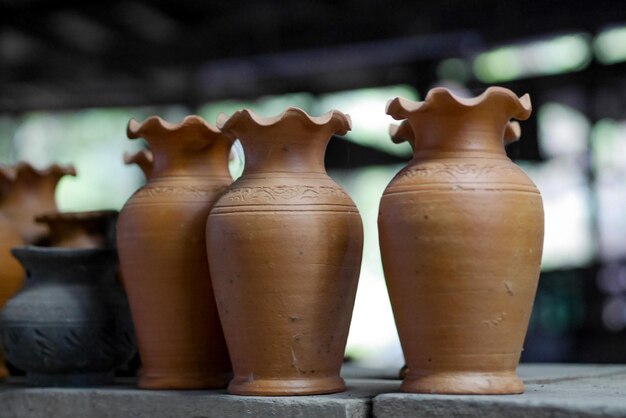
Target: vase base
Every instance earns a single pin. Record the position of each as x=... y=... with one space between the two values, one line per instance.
x=286 y=387
x=70 y=379
x=467 y=383
x=181 y=382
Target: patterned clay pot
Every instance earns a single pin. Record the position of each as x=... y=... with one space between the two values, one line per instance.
x=69 y=325
x=161 y=241
x=28 y=193
x=91 y=229
x=461 y=234
x=284 y=246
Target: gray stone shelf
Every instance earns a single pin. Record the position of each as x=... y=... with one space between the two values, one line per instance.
x=551 y=391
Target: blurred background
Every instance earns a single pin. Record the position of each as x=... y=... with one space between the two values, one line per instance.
x=72 y=74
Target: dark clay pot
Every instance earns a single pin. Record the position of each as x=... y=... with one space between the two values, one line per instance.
x=70 y=323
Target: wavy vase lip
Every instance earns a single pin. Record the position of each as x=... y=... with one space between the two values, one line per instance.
x=400 y=108
x=15 y=172
x=58 y=169
x=190 y=125
x=246 y=116
x=404 y=132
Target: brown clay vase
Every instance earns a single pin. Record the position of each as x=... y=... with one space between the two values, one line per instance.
x=161 y=244
x=11 y=271
x=284 y=246
x=461 y=235
x=91 y=229
x=30 y=192
x=24 y=193
x=144 y=160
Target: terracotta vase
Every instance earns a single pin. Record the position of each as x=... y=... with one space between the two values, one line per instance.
x=284 y=246
x=461 y=234
x=144 y=160
x=30 y=192
x=11 y=272
x=161 y=242
x=91 y=229
x=69 y=324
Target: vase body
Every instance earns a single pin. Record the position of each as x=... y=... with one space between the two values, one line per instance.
x=30 y=192
x=161 y=242
x=91 y=229
x=284 y=246
x=461 y=235
x=69 y=325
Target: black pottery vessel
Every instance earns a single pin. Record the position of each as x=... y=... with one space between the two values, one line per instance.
x=70 y=324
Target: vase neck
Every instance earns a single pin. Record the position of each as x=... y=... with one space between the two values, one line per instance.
x=464 y=131
x=27 y=197
x=67 y=265
x=278 y=149
x=203 y=159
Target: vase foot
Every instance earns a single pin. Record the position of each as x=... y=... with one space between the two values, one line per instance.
x=181 y=382
x=285 y=387
x=469 y=383
x=70 y=379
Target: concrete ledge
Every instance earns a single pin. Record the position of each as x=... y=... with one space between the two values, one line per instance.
x=551 y=391
x=17 y=400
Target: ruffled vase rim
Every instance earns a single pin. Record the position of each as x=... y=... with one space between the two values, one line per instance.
x=23 y=167
x=226 y=123
x=400 y=108
x=136 y=129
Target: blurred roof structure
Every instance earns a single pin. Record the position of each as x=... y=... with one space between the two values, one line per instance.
x=70 y=54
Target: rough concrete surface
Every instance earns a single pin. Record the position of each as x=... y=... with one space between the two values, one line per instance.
x=17 y=400
x=553 y=391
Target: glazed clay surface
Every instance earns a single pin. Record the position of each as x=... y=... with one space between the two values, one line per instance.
x=284 y=246
x=461 y=235
x=161 y=241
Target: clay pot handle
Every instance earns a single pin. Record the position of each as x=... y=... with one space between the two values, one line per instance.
x=512 y=132
x=402 y=133
x=143 y=158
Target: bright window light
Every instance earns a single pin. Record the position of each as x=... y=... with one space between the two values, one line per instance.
x=610 y=45
x=562 y=130
x=560 y=54
x=366 y=108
